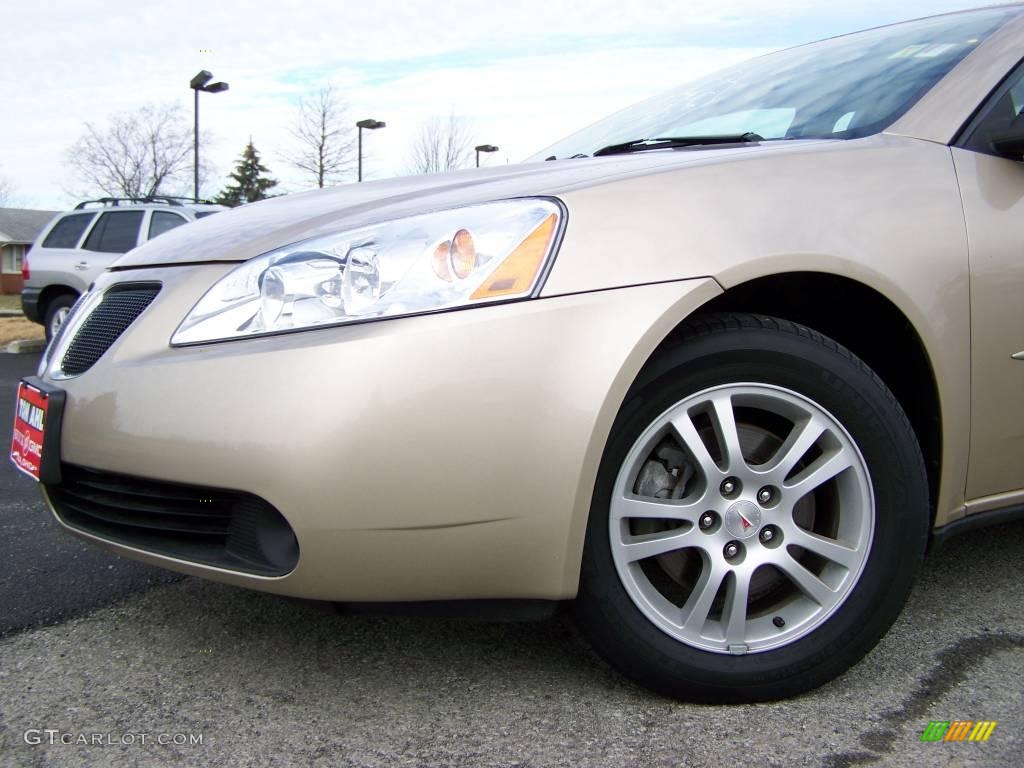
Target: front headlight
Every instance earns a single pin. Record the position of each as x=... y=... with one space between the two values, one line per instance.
x=455 y=258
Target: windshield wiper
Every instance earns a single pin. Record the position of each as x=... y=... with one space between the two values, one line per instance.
x=670 y=142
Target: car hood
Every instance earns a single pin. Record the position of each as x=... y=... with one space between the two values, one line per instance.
x=250 y=230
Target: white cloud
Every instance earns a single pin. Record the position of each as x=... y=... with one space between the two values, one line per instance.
x=524 y=73
x=526 y=104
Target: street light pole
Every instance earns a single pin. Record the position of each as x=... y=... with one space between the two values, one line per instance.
x=484 y=148
x=195 y=151
x=371 y=125
x=197 y=84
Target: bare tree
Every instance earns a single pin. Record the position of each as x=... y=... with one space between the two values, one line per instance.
x=442 y=144
x=323 y=137
x=137 y=154
x=7 y=191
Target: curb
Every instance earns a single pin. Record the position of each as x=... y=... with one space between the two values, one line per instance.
x=25 y=346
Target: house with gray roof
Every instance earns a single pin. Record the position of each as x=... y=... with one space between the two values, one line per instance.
x=19 y=227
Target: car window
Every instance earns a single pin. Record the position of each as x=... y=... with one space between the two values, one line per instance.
x=163 y=221
x=805 y=92
x=768 y=123
x=998 y=115
x=204 y=214
x=843 y=123
x=115 y=232
x=68 y=231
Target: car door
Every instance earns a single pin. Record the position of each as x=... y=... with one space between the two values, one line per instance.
x=992 y=189
x=114 y=233
x=53 y=257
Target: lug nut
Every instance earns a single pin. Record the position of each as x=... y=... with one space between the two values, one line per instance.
x=779 y=622
x=707 y=520
x=764 y=495
x=731 y=549
x=767 y=534
x=728 y=486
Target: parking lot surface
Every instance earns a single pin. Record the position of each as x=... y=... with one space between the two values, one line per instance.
x=46 y=575
x=95 y=646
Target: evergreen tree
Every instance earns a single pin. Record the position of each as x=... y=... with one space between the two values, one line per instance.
x=250 y=183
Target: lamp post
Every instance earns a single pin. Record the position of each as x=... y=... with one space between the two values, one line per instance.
x=197 y=84
x=484 y=148
x=371 y=125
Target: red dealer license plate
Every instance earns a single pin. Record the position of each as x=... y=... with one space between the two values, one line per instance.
x=35 y=444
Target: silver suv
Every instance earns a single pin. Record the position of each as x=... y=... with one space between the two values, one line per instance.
x=78 y=245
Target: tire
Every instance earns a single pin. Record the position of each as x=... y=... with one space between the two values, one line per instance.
x=56 y=312
x=661 y=592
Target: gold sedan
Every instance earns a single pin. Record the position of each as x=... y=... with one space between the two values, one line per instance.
x=716 y=368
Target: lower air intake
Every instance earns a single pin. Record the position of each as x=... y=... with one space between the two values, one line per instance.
x=207 y=526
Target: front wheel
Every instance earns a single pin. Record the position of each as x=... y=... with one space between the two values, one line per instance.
x=759 y=517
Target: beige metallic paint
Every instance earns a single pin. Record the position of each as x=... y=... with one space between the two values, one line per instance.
x=384 y=510
x=479 y=516
x=993 y=199
x=884 y=211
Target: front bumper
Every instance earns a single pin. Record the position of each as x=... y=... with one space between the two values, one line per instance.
x=447 y=456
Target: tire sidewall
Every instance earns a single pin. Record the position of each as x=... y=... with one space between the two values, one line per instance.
x=64 y=301
x=835 y=380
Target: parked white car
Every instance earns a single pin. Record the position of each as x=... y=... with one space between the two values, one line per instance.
x=79 y=244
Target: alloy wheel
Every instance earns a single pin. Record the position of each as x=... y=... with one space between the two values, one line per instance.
x=741 y=518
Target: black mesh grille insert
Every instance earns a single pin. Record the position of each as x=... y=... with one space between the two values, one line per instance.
x=120 y=306
x=209 y=526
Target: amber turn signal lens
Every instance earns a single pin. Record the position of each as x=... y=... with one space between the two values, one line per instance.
x=463 y=254
x=519 y=269
x=439 y=261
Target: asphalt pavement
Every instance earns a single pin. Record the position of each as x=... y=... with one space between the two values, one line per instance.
x=47 y=576
x=106 y=655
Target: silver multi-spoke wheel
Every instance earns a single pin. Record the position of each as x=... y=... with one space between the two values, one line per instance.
x=759 y=515
x=741 y=518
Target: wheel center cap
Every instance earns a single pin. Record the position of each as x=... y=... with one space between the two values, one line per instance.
x=743 y=519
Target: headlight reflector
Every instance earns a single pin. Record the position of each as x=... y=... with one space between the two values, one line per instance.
x=455 y=258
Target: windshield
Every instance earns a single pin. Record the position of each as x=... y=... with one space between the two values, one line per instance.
x=841 y=88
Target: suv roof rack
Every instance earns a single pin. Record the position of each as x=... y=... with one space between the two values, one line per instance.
x=116 y=201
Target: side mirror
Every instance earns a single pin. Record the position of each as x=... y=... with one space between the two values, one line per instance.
x=1010 y=143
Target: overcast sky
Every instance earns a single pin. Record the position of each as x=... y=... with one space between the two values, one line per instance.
x=522 y=73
